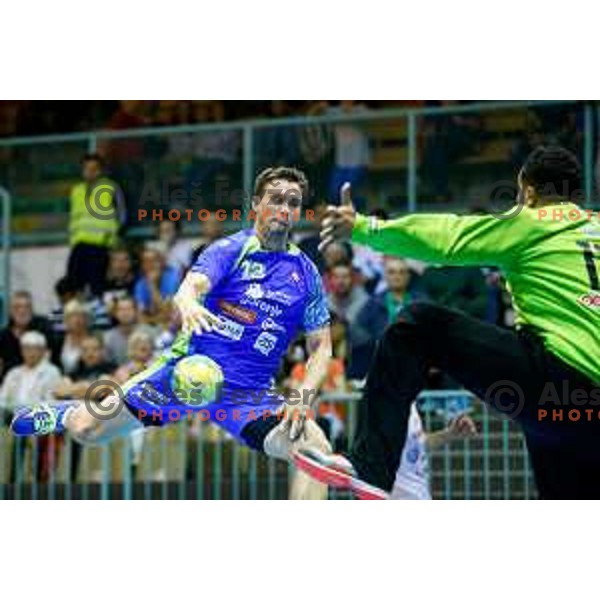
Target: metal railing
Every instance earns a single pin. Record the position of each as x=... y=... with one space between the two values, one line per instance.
x=38 y=170
x=195 y=460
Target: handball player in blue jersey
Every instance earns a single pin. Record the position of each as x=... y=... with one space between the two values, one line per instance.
x=241 y=304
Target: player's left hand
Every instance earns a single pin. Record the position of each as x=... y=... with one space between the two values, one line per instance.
x=339 y=221
x=462 y=427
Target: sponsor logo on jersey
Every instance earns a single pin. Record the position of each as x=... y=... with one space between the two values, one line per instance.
x=269 y=325
x=266 y=307
x=254 y=291
x=253 y=270
x=230 y=329
x=590 y=300
x=239 y=313
x=278 y=296
x=265 y=343
x=254 y=295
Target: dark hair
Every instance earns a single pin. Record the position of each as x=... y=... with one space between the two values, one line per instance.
x=553 y=171
x=275 y=173
x=92 y=156
x=65 y=285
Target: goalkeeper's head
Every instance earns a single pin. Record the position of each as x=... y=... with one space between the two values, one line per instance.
x=550 y=175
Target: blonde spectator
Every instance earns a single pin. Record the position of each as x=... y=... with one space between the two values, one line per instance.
x=77 y=328
x=140 y=350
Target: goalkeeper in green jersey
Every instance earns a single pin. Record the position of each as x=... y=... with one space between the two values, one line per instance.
x=545 y=374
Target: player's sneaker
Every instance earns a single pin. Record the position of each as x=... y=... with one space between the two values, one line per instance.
x=43 y=419
x=336 y=471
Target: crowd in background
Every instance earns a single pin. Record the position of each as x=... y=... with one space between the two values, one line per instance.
x=114 y=310
x=115 y=332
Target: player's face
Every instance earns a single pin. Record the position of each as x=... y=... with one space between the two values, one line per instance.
x=279 y=206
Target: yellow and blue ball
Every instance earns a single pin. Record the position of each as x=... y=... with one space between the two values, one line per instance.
x=197 y=380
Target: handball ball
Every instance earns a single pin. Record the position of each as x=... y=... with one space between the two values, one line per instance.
x=197 y=380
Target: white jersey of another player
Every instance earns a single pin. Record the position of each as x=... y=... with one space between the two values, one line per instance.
x=412 y=477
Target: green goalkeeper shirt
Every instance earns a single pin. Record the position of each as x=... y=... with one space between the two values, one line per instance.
x=550 y=258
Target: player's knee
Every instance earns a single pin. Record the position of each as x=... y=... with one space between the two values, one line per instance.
x=83 y=425
x=79 y=420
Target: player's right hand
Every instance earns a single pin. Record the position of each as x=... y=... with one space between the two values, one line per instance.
x=195 y=318
x=339 y=220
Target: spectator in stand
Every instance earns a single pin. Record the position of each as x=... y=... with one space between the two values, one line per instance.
x=167 y=326
x=382 y=309
x=448 y=139
x=33 y=381
x=310 y=244
x=92 y=366
x=66 y=290
x=125 y=155
x=336 y=254
x=277 y=145
x=212 y=229
x=77 y=329
x=346 y=301
x=460 y=288
x=369 y=262
x=94 y=222
x=140 y=352
x=213 y=153
x=157 y=283
x=21 y=319
x=179 y=251
x=117 y=338
x=120 y=277
x=352 y=154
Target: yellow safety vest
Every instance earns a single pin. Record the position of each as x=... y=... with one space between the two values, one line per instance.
x=94 y=219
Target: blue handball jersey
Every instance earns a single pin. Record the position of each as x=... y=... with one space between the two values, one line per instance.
x=263 y=298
